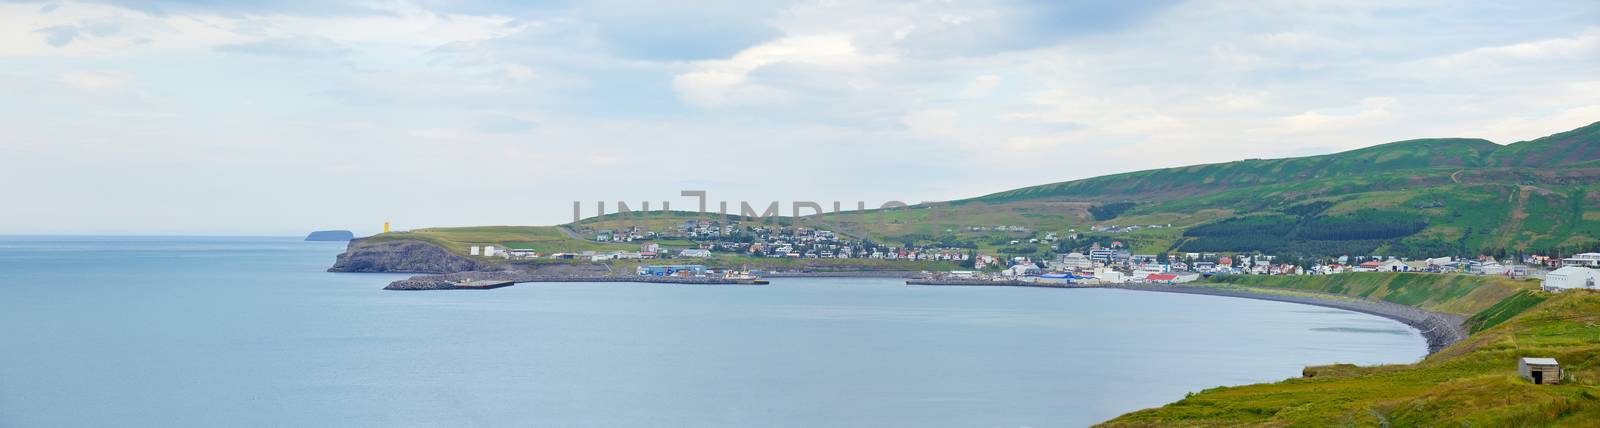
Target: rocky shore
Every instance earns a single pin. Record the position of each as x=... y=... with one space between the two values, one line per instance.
x=1439 y=329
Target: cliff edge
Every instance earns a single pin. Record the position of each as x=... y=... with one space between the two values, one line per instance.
x=403 y=256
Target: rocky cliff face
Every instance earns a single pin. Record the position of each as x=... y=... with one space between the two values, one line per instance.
x=403 y=257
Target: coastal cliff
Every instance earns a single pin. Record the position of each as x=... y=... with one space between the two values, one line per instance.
x=403 y=256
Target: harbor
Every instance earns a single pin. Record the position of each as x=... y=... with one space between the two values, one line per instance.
x=500 y=279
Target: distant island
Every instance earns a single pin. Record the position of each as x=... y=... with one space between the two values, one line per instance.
x=331 y=235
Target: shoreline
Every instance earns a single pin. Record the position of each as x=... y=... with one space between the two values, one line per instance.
x=1440 y=330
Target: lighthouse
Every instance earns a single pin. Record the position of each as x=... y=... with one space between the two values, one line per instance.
x=386 y=227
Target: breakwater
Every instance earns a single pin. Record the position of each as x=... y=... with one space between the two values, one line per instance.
x=451 y=281
x=1439 y=329
x=845 y=274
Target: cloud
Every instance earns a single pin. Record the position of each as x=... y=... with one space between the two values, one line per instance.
x=96 y=80
x=927 y=99
x=1371 y=109
x=300 y=47
x=59 y=35
x=729 y=82
x=1583 y=45
x=682 y=30
x=502 y=124
x=62 y=35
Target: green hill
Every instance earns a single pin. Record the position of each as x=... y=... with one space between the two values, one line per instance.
x=1471 y=383
x=1426 y=197
x=1414 y=198
x=1175 y=183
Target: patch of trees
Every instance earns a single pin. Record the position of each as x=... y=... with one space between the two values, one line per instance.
x=1306 y=233
x=1361 y=227
x=1263 y=226
x=1109 y=211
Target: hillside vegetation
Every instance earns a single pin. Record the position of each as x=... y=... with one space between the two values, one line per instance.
x=1415 y=198
x=1428 y=197
x=1471 y=383
x=1465 y=295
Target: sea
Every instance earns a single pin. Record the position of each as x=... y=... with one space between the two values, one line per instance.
x=253 y=332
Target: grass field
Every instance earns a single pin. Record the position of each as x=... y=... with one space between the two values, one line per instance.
x=1472 y=383
x=544 y=239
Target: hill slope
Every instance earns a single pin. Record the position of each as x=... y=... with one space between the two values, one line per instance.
x=1472 y=383
x=1427 y=197
x=1415 y=198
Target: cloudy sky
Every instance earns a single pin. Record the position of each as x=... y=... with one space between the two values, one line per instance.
x=276 y=117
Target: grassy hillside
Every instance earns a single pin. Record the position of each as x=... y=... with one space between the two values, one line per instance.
x=1411 y=198
x=1206 y=179
x=1416 y=198
x=1472 y=383
x=544 y=239
x=1465 y=295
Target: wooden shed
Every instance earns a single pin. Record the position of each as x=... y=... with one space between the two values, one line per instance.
x=1542 y=371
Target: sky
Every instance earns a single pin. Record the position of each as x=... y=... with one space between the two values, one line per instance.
x=258 y=117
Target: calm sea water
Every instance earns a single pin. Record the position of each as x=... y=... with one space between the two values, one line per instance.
x=165 y=332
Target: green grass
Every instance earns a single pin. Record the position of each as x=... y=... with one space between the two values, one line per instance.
x=1464 y=295
x=544 y=239
x=1471 y=383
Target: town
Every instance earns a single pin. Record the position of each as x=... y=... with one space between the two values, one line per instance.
x=1069 y=257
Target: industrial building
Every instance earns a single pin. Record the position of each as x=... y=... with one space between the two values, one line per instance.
x=672 y=270
x=1571 y=278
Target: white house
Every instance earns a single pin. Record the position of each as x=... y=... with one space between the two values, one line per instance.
x=1571 y=277
x=1394 y=266
x=1585 y=259
x=1023 y=269
x=1075 y=261
x=1108 y=276
x=695 y=252
x=1490 y=268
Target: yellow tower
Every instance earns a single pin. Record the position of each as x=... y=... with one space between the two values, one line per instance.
x=386 y=227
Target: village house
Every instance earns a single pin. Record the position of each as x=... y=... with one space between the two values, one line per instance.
x=1584 y=259
x=1540 y=371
